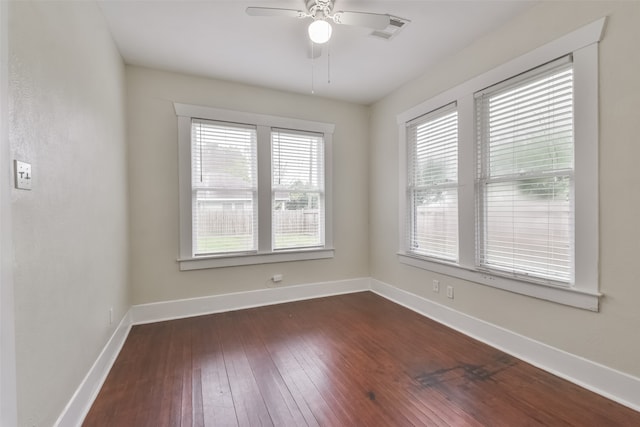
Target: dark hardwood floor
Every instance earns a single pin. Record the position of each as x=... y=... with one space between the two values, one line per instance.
x=351 y=360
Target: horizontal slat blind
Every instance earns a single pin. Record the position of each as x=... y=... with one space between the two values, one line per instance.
x=525 y=182
x=432 y=149
x=297 y=160
x=224 y=187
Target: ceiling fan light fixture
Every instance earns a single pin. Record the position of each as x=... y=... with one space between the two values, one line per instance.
x=320 y=31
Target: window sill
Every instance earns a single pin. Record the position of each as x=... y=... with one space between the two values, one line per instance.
x=203 y=262
x=567 y=296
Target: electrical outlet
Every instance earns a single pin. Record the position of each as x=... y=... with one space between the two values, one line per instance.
x=436 y=286
x=276 y=278
x=450 y=292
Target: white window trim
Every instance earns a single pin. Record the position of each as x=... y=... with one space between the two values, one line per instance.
x=263 y=123
x=583 y=45
x=427 y=118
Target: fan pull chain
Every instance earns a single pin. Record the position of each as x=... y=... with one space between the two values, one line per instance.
x=312 y=67
x=200 y=142
x=328 y=63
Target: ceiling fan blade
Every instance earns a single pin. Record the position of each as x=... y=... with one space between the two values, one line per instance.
x=272 y=11
x=374 y=21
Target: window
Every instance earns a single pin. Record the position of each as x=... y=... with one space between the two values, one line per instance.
x=432 y=191
x=508 y=162
x=224 y=187
x=253 y=188
x=525 y=182
x=297 y=161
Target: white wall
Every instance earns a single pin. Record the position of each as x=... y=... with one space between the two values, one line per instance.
x=8 y=406
x=153 y=150
x=68 y=97
x=608 y=337
x=66 y=117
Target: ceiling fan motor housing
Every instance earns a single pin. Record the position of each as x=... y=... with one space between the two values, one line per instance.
x=323 y=6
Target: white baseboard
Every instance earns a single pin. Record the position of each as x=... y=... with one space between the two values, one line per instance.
x=608 y=382
x=81 y=401
x=612 y=384
x=168 y=310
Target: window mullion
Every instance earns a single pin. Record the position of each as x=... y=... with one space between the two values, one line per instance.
x=466 y=181
x=264 y=234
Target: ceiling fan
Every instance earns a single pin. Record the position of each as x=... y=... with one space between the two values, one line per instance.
x=321 y=11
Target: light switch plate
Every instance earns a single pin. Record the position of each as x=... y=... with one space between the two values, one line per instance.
x=22 y=171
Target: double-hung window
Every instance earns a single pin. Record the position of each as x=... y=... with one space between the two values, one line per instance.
x=432 y=190
x=253 y=188
x=526 y=174
x=499 y=175
x=224 y=187
x=297 y=162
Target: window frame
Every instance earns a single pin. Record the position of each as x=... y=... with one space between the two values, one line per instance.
x=583 y=293
x=196 y=152
x=319 y=189
x=264 y=124
x=487 y=177
x=429 y=118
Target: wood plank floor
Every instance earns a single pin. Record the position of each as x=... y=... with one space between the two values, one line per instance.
x=350 y=360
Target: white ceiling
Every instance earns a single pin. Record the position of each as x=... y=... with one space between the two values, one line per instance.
x=217 y=39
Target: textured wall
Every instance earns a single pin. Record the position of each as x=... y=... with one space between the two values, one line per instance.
x=153 y=150
x=8 y=406
x=67 y=119
x=608 y=337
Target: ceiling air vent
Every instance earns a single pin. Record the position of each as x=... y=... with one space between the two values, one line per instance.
x=395 y=25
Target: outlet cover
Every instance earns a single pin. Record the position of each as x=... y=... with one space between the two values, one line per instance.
x=450 y=292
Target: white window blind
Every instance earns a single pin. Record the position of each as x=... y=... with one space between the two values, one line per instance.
x=432 y=190
x=224 y=187
x=298 y=207
x=525 y=183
